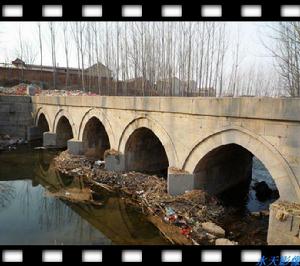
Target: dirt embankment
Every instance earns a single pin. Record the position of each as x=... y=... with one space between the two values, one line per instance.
x=191 y=218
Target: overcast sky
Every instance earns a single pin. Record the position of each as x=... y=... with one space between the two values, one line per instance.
x=251 y=35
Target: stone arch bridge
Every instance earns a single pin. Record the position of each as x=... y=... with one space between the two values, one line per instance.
x=205 y=143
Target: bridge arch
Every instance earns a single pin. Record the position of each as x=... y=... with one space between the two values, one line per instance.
x=277 y=166
x=102 y=118
x=95 y=139
x=43 y=124
x=42 y=112
x=144 y=128
x=64 y=128
x=63 y=113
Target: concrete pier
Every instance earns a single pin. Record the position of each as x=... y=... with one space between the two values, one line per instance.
x=179 y=181
x=284 y=223
x=114 y=161
x=49 y=139
x=75 y=146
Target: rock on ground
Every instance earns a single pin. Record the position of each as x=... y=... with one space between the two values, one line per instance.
x=213 y=229
x=225 y=241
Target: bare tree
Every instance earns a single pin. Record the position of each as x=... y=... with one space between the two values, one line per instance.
x=53 y=51
x=286 y=52
x=41 y=49
x=25 y=51
x=82 y=51
x=75 y=32
x=65 y=28
x=164 y=58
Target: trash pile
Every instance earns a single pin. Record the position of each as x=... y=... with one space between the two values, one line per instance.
x=188 y=212
x=21 y=89
x=33 y=89
x=66 y=93
x=9 y=143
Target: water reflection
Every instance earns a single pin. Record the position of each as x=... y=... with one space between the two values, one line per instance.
x=31 y=215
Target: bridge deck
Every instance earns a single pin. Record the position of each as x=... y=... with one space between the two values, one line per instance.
x=286 y=109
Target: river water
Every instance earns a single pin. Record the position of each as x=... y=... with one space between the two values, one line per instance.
x=31 y=214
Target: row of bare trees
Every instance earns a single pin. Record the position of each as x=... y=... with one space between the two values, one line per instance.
x=165 y=58
x=286 y=52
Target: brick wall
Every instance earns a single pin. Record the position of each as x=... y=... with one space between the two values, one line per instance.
x=13 y=76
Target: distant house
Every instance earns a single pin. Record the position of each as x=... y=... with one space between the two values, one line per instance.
x=170 y=86
x=209 y=92
x=18 y=63
x=189 y=86
x=176 y=87
x=99 y=70
x=138 y=86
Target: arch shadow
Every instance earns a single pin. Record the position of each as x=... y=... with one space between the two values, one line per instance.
x=63 y=113
x=103 y=120
x=145 y=153
x=43 y=111
x=158 y=131
x=95 y=139
x=64 y=132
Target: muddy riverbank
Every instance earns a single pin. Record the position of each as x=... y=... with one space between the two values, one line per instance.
x=192 y=218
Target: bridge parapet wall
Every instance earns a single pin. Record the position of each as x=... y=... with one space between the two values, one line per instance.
x=285 y=109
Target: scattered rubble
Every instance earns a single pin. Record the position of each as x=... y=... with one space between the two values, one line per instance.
x=285 y=209
x=33 y=89
x=174 y=216
x=21 y=89
x=260 y=213
x=99 y=164
x=256 y=214
x=281 y=215
x=225 y=241
x=9 y=143
x=246 y=229
x=213 y=229
x=66 y=93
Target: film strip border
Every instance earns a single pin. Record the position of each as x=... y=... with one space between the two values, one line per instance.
x=114 y=255
x=171 y=10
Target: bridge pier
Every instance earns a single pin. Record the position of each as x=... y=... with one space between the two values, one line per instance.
x=179 y=181
x=75 y=147
x=49 y=139
x=284 y=223
x=114 y=161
